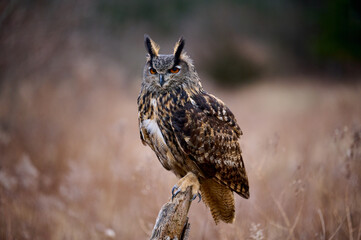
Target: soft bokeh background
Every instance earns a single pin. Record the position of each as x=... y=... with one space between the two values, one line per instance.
x=71 y=162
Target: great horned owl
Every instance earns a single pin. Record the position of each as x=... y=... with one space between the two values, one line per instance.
x=193 y=133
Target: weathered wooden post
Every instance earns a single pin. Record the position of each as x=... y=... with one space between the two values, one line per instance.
x=172 y=221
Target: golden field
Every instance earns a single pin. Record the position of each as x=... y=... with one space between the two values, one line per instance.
x=73 y=166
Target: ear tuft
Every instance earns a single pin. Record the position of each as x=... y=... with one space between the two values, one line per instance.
x=151 y=46
x=178 y=48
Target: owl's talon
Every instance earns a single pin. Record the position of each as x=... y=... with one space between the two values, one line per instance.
x=174 y=188
x=195 y=196
x=176 y=192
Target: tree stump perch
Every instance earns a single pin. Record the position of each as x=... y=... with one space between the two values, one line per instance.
x=172 y=221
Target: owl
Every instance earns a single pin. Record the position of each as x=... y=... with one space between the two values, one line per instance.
x=192 y=132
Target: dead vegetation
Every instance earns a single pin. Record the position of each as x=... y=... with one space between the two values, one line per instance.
x=72 y=165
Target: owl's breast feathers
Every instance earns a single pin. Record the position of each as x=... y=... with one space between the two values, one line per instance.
x=200 y=127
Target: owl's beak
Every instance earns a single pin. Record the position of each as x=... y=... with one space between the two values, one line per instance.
x=161 y=79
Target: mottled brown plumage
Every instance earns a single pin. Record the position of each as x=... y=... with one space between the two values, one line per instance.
x=192 y=132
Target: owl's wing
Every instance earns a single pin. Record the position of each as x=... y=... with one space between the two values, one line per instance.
x=208 y=133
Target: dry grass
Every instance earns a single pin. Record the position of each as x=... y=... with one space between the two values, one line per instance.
x=73 y=167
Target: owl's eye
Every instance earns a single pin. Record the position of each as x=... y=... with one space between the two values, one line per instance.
x=152 y=71
x=174 y=70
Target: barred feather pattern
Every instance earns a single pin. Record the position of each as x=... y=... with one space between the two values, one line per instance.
x=200 y=135
x=219 y=199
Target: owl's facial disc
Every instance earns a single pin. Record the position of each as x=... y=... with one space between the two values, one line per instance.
x=163 y=69
x=164 y=76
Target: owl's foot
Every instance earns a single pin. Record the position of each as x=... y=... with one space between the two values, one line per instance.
x=197 y=195
x=189 y=180
x=178 y=190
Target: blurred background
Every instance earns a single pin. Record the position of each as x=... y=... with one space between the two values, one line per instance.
x=72 y=165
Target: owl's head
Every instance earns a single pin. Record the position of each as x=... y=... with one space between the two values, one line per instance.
x=162 y=72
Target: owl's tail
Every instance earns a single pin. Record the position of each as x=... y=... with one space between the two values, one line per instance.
x=219 y=199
